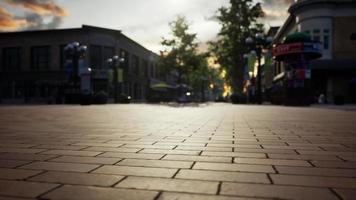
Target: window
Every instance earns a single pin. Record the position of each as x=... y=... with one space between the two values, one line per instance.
x=316 y=38
x=152 y=71
x=326 y=42
x=40 y=57
x=62 y=56
x=95 y=56
x=316 y=35
x=316 y=31
x=326 y=38
x=11 y=59
x=144 y=70
x=135 y=65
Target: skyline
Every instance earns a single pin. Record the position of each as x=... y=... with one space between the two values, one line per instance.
x=144 y=21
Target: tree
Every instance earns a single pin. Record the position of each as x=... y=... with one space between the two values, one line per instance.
x=238 y=21
x=180 y=54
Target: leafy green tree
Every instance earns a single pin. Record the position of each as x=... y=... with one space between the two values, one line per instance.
x=181 y=57
x=238 y=21
x=180 y=54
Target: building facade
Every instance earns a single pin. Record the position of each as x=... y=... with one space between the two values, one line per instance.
x=332 y=23
x=33 y=63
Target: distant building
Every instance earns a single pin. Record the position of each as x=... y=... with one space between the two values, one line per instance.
x=32 y=63
x=331 y=22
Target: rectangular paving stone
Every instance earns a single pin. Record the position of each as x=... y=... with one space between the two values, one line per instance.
x=156 y=163
x=180 y=144
x=97 y=144
x=234 y=154
x=152 y=156
x=253 y=146
x=16 y=174
x=227 y=149
x=174 y=185
x=276 y=191
x=268 y=161
x=149 y=146
x=303 y=157
x=316 y=171
x=72 y=152
x=24 y=189
x=234 y=167
x=78 y=178
x=335 y=164
x=88 y=160
x=14 y=198
x=175 y=152
x=113 y=149
x=198 y=158
x=12 y=163
x=121 y=142
x=16 y=145
x=183 y=196
x=136 y=171
x=336 y=153
x=285 y=151
x=60 y=147
x=71 y=192
x=316 y=181
x=26 y=156
x=57 y=166
x=19 y=150
x=292 y=147
x=223 y=176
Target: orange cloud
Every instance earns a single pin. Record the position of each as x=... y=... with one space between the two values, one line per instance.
x=40 y=7
x=8 y=22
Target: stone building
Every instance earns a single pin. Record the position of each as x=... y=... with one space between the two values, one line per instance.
x=332 y=23
x=33 y=63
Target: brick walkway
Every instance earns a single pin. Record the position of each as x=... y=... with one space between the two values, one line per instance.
x=220 y=151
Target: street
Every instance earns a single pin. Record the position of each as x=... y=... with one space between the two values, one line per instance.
x=207 y=151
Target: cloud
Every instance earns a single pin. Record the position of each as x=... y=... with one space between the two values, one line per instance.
x=41 y=7
x=8 y=22
x=274 y=3
x=276 y=9
x=41 y=14
x=37 y=22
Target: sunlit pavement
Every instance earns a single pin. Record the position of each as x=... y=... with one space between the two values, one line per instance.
x=215 y=151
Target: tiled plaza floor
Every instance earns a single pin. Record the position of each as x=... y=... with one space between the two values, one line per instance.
x=216 y=151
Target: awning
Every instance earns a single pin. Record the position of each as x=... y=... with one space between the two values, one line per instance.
x=161 y=87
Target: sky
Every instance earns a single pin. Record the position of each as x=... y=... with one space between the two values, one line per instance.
x=145 y=21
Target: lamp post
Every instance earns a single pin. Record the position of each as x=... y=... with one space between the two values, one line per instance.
x=74 y=52
x=257 y=44
x=115 y=63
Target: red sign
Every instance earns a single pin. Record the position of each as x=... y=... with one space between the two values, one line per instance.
x=299 y=47
x=283 y=49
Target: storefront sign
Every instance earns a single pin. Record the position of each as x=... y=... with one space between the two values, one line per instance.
x=295 y=48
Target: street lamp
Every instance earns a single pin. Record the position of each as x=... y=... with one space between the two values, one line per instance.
x=75 y=51
x=257 y=44
x=114 y=63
